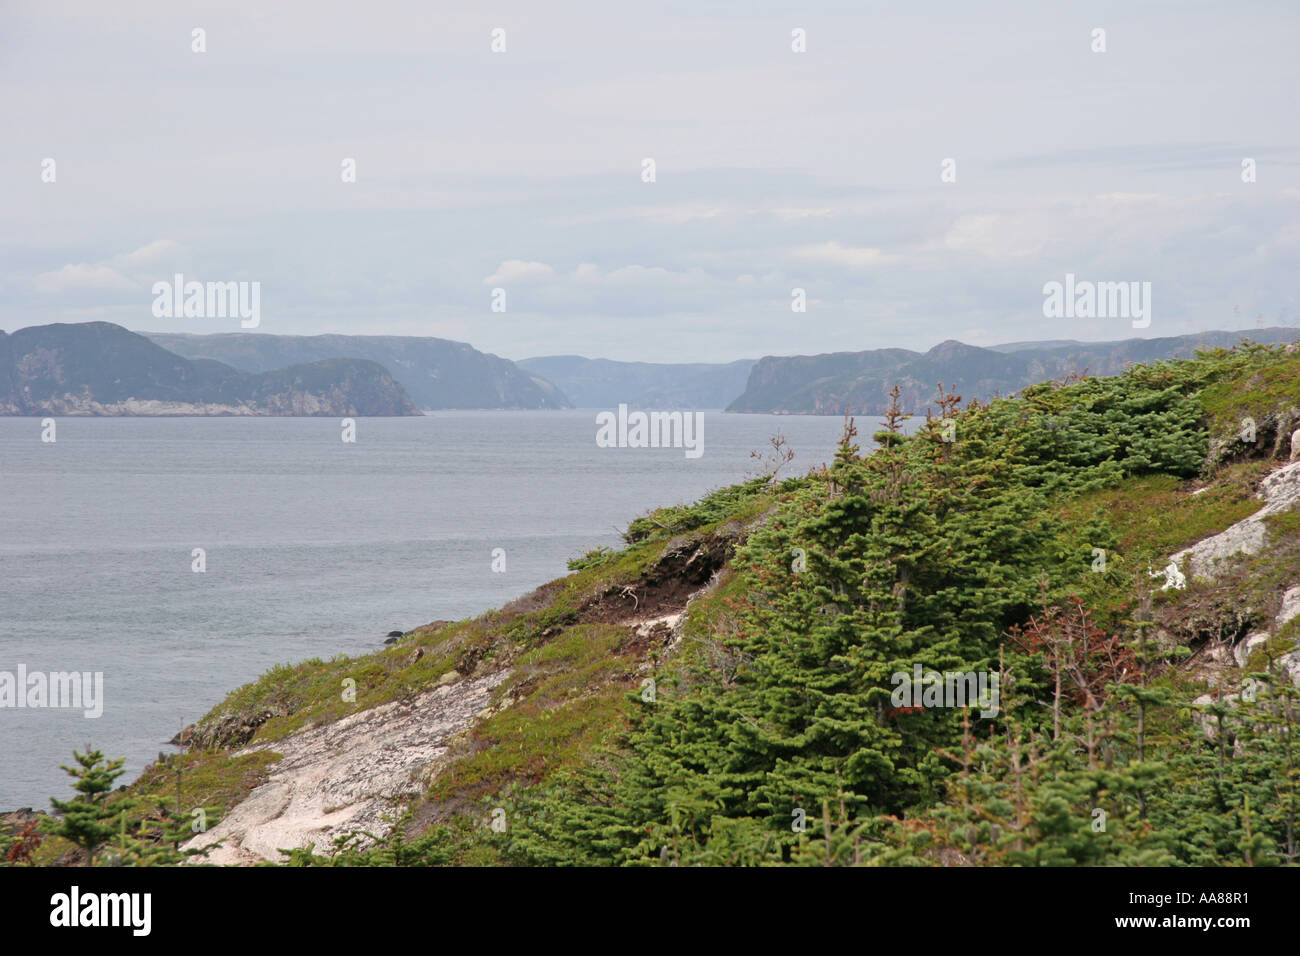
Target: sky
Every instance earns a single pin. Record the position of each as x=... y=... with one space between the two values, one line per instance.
x=523 y=169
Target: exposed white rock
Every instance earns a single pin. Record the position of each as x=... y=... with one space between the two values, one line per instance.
x=1290 y=607
x=1280 y=491
x=1290 y=610
x=1241 y=653
x=1173 y=577
x=77 y=406
x=645 y=625
x=1291 y=666
x=295 y=403
x=339 y=777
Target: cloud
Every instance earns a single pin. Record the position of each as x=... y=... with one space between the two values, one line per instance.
x=107 y=275
x=672 y=214
x=849 y=257
x=148 y=254
x=517 y=271
x=1129 y=197
x=636 y=275
x=774 y=171
x=995 y=236
x=678 y=213
x=81 y=277
x=1164 y=156
x=795 y=214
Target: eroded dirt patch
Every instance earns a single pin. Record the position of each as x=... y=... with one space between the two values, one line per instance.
x=665 y=588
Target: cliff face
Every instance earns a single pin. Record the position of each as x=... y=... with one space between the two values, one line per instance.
x=437 y=373
x=820 y=384
x=860 y=382
x=98 y=368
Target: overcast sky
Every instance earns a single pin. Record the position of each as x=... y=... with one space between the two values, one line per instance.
x=774 y=169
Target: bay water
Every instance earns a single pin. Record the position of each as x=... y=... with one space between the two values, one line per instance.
x=313 y=547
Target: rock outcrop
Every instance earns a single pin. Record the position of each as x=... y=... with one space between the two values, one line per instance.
x=1280 y=492
x=341 y=777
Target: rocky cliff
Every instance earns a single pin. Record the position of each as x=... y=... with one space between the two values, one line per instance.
x=98 y=368
x=437 y=373
x=859 y=382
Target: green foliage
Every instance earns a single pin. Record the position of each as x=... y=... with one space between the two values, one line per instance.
x=1255 y=382
x=87 y=820
x=143 y=828
x=775 y=735
x=567 y=699
x=731 y=502
x=155 y=839
x=592 y=559
x=933 y=553
x=455 y=844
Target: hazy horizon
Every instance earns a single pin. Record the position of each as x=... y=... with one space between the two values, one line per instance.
x=921 y=349
x=522 y=170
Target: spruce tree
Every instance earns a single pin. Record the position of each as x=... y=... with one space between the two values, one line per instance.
x=88 y=820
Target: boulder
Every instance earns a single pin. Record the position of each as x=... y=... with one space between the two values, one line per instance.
x=1241 y=653
x=183 y=738
x=1290 y=607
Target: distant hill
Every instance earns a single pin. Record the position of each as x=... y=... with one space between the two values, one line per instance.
x=97 y=368
x=859 y=382
x=1045 y=344
x=602 y=383
x=438 y=373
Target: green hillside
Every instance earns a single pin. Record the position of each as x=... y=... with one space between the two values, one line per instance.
x=723 y=691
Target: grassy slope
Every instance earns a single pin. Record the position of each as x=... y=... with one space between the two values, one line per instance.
x=576 y=664
x=573 y=669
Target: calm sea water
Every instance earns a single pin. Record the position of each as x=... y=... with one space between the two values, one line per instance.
x=314 y=547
